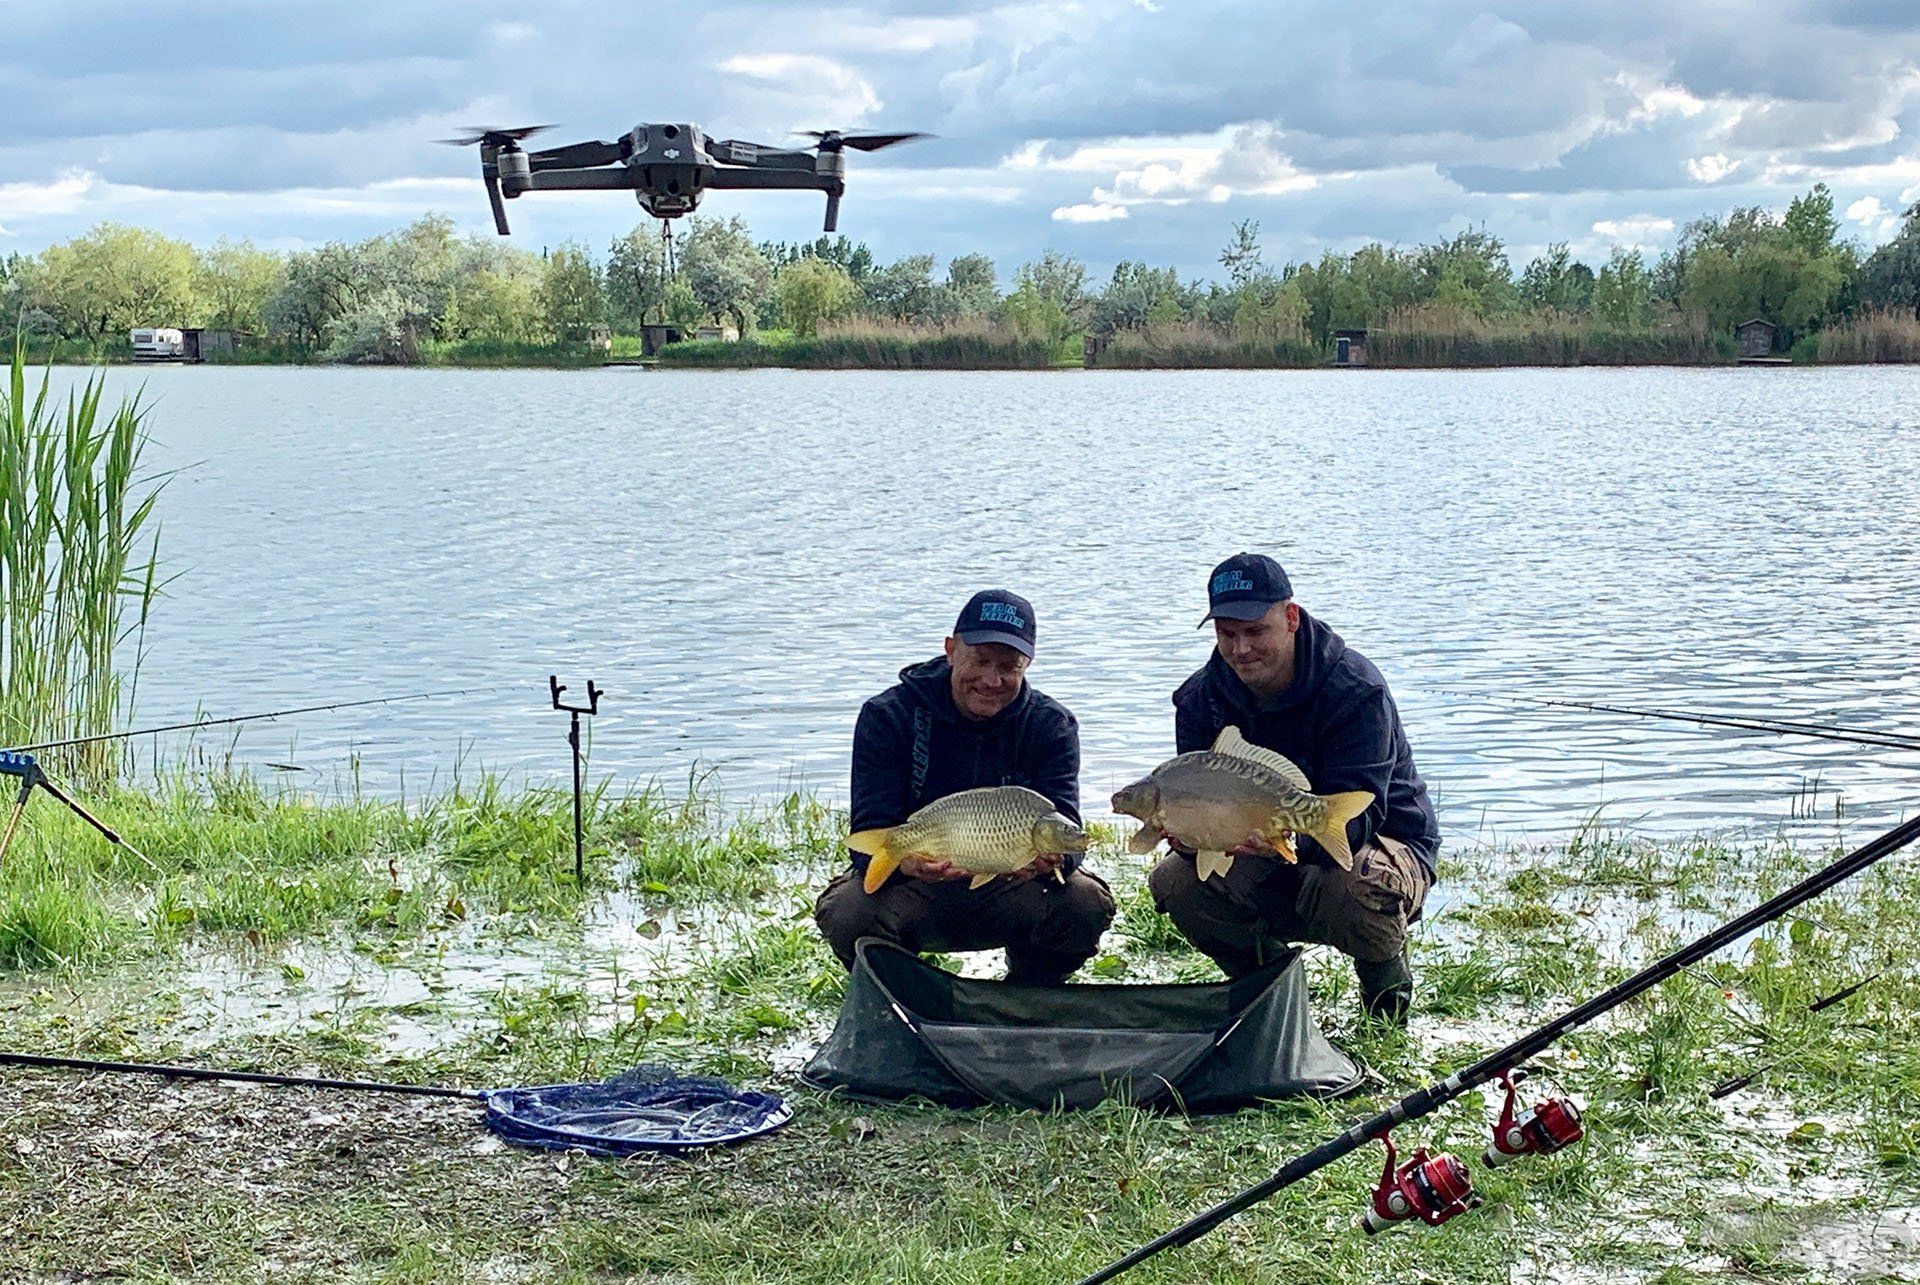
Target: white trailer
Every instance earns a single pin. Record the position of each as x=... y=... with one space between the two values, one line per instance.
x=158 y=343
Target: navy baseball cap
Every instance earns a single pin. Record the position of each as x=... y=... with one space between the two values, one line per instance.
x=1245 y=587
x=996 y=616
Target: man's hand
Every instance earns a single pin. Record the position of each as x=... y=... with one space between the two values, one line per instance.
x=1047 y=863
x=1253 y=846
x=918 y=865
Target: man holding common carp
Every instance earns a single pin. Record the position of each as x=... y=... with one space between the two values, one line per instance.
x=1291 y=807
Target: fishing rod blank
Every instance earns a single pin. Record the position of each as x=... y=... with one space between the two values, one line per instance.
x=1783 y=727
x=1429 y=1099
x=240 y=718
x=247 y=1077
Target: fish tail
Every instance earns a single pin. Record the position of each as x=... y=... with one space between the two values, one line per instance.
x=881 y=859
x=1332 y=831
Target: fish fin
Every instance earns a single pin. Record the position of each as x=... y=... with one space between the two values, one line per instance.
x=881 y=861
x=1234 y=745
x=1145 y=839
x=1059 y=875
x=979 y=881
x=1280 y=836
x=1211 y=863
x=1332 y=834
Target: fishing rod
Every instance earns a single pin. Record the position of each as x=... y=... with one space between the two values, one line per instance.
x=1784 y=727
x=1436 y=1189
x=241 y=718
x=246 y=1077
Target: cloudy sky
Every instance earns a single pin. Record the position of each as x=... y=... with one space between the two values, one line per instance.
x=1108 y=129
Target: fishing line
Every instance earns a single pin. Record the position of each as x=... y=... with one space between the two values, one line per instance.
x=1429 y=1099
x=1783 y=727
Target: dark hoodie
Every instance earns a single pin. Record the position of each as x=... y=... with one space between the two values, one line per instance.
x=912 y=745
x=1337 y=721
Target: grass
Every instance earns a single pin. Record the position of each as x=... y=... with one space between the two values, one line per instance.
x=77 y=570
x=693 y=945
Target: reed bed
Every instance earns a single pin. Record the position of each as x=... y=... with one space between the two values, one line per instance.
x=77 y=562
x=1438 y=337
x=1196 y=345
x=871 y=345
x=1878 y=336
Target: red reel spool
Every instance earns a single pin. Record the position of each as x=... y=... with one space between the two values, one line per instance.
x=1430 y=1188
x=1539 y=1130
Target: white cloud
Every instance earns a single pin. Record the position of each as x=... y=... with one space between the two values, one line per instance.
x=511 y=33
x=1084 y=213
x=1242 y=160
x=906 y=35
x=1867 y=210
x=828 y=90
x=1878 y=221
x=1635 y=229
x=1711 y=169
x=64 y=195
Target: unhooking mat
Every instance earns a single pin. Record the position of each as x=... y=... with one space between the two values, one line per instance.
x=909 y=1029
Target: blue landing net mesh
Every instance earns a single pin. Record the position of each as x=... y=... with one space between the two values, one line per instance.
x=646 y=1109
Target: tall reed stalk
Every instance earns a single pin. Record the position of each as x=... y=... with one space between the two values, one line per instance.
x=77 y=565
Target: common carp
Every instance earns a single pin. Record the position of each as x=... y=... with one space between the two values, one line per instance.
x=986 y=832
x=1217 y=799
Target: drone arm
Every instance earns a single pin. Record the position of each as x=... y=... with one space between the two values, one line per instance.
x=616 y=179
x=575 y=155
x=787 y=179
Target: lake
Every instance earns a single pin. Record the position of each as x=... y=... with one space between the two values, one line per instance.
x=739 y=559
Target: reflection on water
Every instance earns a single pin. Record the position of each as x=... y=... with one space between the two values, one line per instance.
x=740 y=559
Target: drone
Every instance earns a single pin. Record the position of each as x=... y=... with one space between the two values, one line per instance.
x=666 y=167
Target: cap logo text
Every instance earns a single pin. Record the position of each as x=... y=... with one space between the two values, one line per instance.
x=1231 y=582
x=1001 y=613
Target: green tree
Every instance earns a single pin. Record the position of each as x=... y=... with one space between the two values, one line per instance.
x=236 y=280
x=572 y=300
x=113 y=279
x=1136 y=297
x=974 y=284
x=905 y=290
x=1241 y=258
x=1890 y=278
x=1060 y=280
x=725 y=270
x=1557 y=281
x=1271 y=311
x=1810 y=224
x=1470 y=272
x=813 y=290
x=1623 y=294
x=636 y=279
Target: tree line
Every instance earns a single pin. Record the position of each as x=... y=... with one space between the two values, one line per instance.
x=390 y=297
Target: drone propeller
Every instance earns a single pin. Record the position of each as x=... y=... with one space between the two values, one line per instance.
x=495 y=137
x=833 y=140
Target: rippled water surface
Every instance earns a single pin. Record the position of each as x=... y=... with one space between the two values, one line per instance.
x=740 y=559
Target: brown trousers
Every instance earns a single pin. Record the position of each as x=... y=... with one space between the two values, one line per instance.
x=1242 y=919
x=1047 y=928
